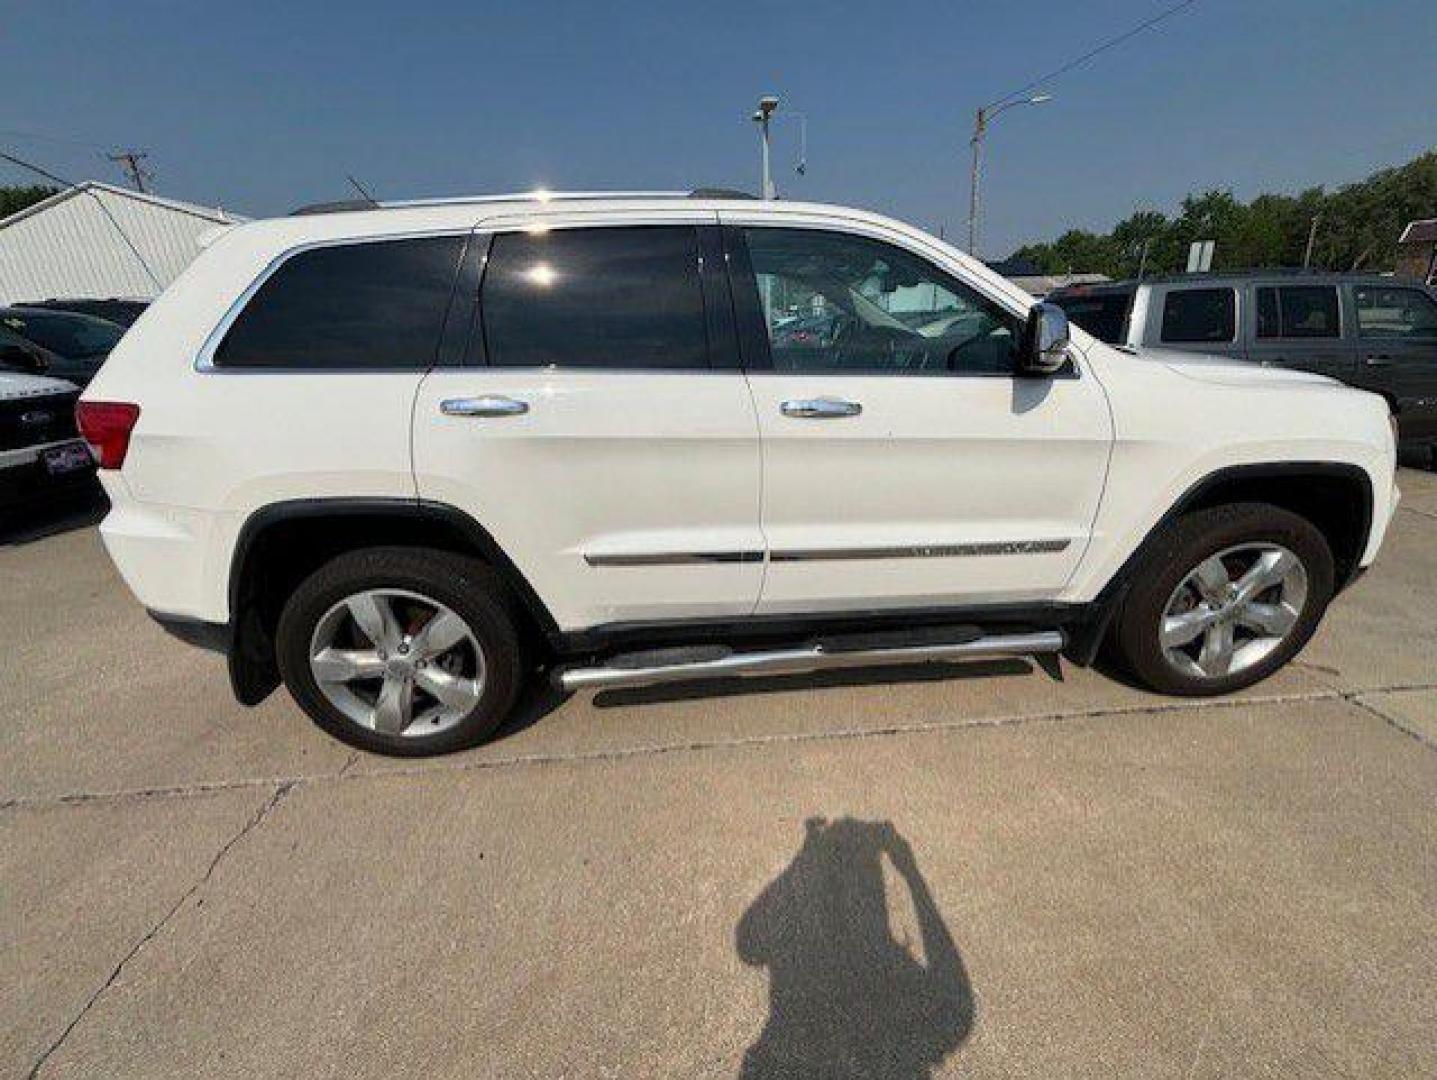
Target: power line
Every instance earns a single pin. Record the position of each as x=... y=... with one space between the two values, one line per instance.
x=35 y=136
x=98 y=202
x=36 y=169
x=1104 y=47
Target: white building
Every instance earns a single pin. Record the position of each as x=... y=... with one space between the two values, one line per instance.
x=94 y=240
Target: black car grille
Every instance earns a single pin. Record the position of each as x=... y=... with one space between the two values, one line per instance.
x=29 y=421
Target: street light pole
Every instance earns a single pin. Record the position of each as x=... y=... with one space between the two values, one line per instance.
x=981 y=120
x=766 y=107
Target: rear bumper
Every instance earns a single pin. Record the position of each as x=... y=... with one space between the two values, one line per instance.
x=162 y=552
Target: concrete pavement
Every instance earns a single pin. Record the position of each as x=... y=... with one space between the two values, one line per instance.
x=958 y=871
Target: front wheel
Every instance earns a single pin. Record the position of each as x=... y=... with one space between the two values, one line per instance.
x=1224 y=598
x=404 y=651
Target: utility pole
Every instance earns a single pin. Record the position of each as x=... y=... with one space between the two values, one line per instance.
x=766 y=108
x=1311 y=240
x=981 y=121
x=129 y=161
x=980 y=125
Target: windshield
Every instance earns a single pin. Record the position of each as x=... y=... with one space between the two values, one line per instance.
x=75 y=337
x=1104 y=315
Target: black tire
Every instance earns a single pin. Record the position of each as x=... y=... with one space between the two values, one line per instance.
x=468 y=587
x=1181 y=547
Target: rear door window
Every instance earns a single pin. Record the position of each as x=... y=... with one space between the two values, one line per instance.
x=375 y=306
x=1199 y=315
x=1298 y=311
x=595 y=298
x=1395 y=313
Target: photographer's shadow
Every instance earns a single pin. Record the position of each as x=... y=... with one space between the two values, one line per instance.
x=846 y=999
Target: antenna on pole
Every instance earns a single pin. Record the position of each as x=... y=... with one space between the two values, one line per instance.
x=129 y=162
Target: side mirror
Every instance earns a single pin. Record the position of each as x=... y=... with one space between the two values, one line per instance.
x=1045 y=341
x=17 y=357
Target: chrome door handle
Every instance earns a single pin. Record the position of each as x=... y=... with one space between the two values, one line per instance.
x=823 y=408
x=493 y=405
x=1379 y=360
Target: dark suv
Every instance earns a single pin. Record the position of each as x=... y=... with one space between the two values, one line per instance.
x=1376 y=333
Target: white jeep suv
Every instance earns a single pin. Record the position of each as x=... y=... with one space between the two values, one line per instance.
x=404 y=457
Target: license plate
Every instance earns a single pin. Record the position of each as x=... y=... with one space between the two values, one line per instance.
x=69 y=458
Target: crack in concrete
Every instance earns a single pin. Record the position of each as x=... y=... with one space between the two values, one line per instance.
x=263 y=812
x=1392 y=721
x=346 y=775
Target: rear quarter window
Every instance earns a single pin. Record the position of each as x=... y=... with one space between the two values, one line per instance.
x=377 y=305
x=1199 y=315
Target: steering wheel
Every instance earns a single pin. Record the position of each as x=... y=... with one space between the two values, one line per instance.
x=969 y=340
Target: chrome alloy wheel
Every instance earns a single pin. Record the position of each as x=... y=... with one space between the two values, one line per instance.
x=1233 y=610
x=397 y=663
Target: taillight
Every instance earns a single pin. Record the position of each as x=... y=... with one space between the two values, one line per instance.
x=106 y=426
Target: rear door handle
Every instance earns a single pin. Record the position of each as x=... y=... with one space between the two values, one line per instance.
x=492 y=405
x=1378 y=360
x=823 y=408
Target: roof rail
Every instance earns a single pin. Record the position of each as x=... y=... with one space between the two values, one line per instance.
x=540 y=196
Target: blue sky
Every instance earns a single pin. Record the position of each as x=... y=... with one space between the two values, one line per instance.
x=260 y=107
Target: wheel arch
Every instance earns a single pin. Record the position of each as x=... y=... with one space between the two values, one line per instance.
x=282 y=543
x=1337 y=497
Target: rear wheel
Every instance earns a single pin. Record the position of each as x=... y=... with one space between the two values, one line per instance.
x=403 y=651
x=1223 y=599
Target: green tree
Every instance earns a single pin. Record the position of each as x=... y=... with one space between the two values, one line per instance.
x=1357 y=228
x=15 y=199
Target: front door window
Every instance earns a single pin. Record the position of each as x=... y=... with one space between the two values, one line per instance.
x=842 y=303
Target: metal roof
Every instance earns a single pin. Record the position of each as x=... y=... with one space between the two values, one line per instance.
x=95 y=239
x=211 y=214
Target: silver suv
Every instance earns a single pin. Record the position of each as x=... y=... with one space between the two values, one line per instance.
x=1376 y=333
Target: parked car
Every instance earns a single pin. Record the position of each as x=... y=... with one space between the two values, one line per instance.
x=1375 y=333
x=406 y=459
x=116 y=310
x=73 y=346
x=40 y=450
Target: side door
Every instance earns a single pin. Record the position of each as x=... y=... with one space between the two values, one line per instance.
x=1397 y=352
x=903 y=463
x=599 y=426
x=1301 y=326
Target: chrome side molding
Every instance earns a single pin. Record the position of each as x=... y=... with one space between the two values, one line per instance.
x=672 y=558
x=923 y=551
x=905 y=551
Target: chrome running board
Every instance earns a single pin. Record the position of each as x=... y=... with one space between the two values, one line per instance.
x=798 y=660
